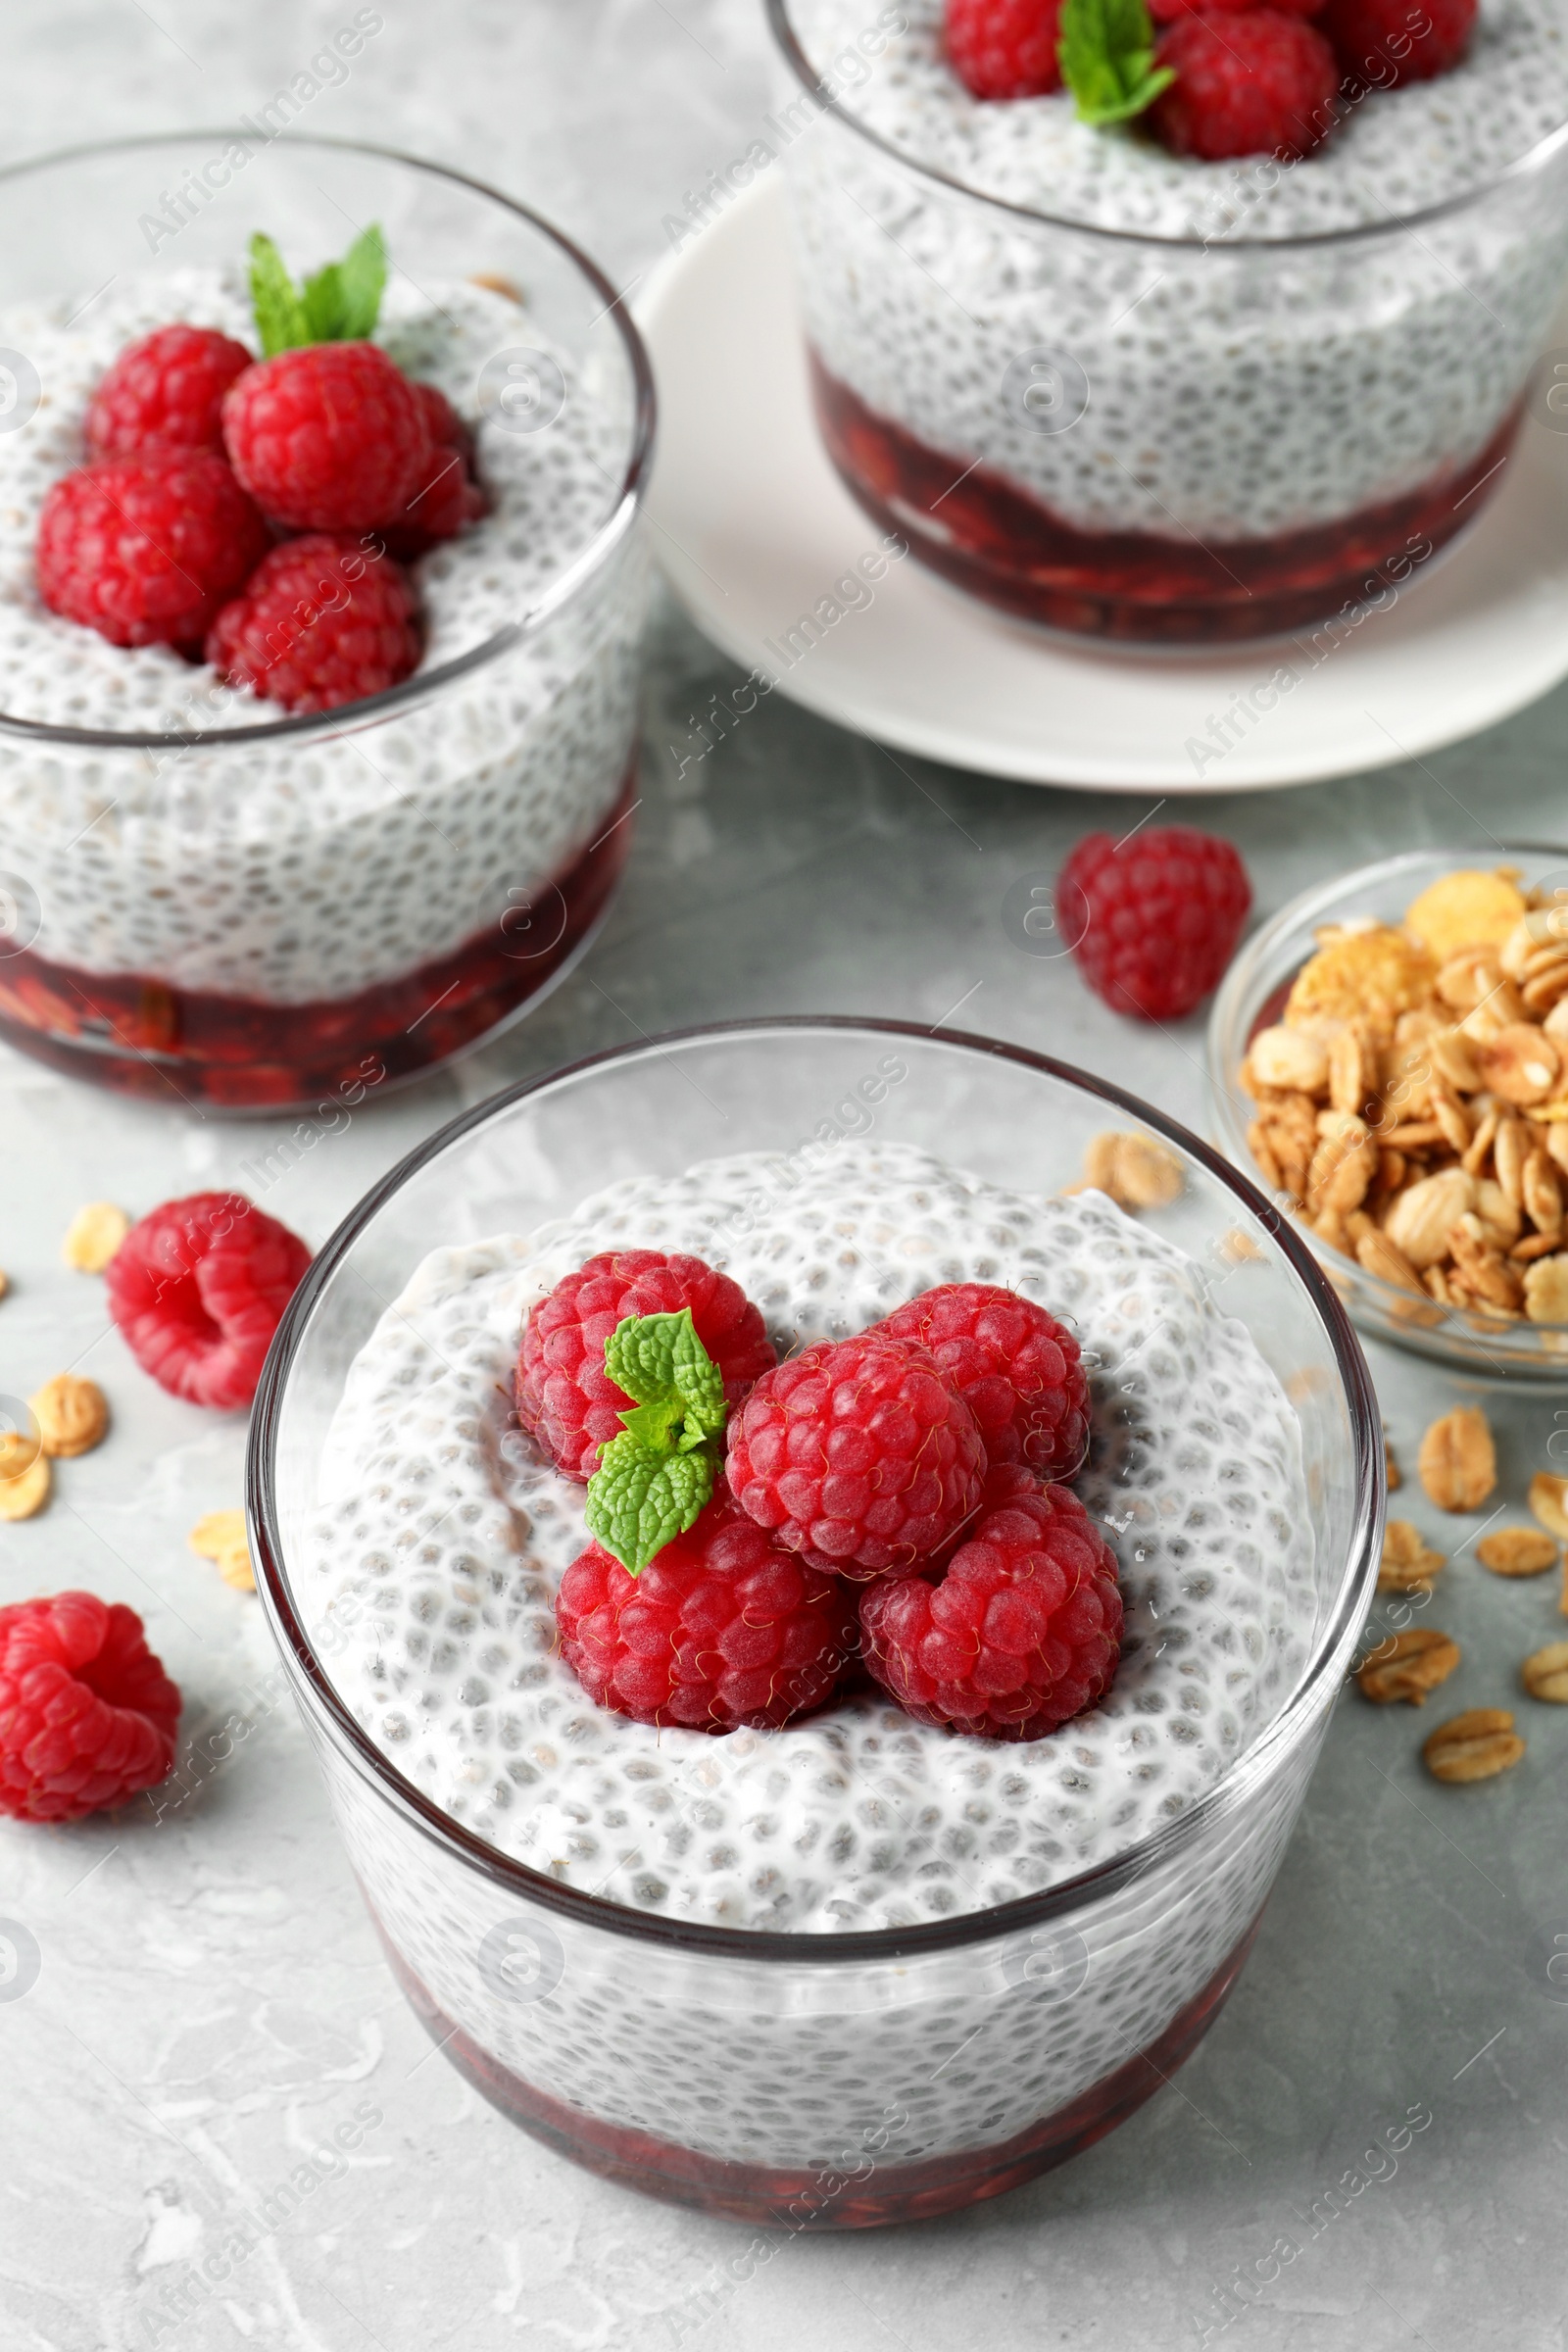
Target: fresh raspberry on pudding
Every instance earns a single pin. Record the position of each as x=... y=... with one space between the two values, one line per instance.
x=146 y=550
x=1387 y=43
x=320 y=623
x=1020 y=1632
x=1016 y=1368
x=198 y=1289
x=166 y=392
x=332 y=437
x=87 y=1714
x=568 y=1401
x=857 y=1454
x=1166 y=12
x=723 y=1628
x=1005 y=48
x=1153 y=920
x=1255 y=84
x=452 y=498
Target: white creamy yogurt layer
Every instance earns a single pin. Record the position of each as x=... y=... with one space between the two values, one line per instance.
x=441 y=1538
x=289 y=872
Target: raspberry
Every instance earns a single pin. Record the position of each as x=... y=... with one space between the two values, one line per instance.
x=87 y=1714
x=1166 y=12
x=857 y=1454
x=1154 y=921
x=1389 y=43
x=452 y=498
x=1005 y=48
x=331 y=438
x=722 y=1628
x=145 y=550
x=1021 y=1633
x=320 y=623
x=198 y=1289
x=166 y=392
x=1016 y=1368
x=568 y=1401
x=1257 y=83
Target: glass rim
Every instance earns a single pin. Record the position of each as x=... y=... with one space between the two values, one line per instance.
x=1533 y=1362
x=424 y=685
x=313 y=1685
x=1531 y=161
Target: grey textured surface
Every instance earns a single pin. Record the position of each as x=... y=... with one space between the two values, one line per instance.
x=210 y=2004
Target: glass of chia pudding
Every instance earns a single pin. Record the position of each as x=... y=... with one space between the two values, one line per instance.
x=222 y=889
x=833 y=1962
x=1146 y=397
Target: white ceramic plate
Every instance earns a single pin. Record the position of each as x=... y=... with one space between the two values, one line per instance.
x=752 y=527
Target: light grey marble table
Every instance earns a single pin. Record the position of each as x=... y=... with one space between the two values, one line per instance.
x=210 y=2004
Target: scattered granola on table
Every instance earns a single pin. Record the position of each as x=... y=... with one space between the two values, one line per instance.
x=1409 y=1563
x=1473 y=1746
x=1517 y=1551
x=1458 y=1462
x=1407 y=1665
x=71 y=1413
x=220 y=1537
x=93 y=1237
x=1545 y=1673
x=1412 y=1098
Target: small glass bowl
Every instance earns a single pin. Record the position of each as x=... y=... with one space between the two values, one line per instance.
x=1252 y=995
x=806 y=2078
x=251 y=909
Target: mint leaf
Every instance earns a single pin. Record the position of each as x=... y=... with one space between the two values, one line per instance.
x=654 y=1479
x=362 y=279
x=337 y=304
x=639 y=1498
x=279 y=316
x=659 y=1357
x=1107 y=54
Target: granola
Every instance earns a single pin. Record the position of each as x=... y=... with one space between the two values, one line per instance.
x=1412 y=1098
x=1407 y=1665
x=1473 y=1746
x=1518 y=1551
x=220 y=1537
x=1458 y=1462
x=1136 y=1170
x=71 y=1413
x=25 y=1474
x=1409 y=1563
x=1545 y=1673
x=93 y=1236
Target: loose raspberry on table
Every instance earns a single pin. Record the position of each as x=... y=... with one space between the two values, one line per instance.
x=1005 y=48
x=1155 y=919
x=452 y=499
x=320 y=623
x=333 y=437
x=198 y=1289
x=1021 y=1631
x=87 y=1714
x=1384 y=43
x=1016 y=1368
x=166 y=392
x=723 y=1628
x=857 y=1454
x=564 y=1396
x=146 y=550
x=1256 y=83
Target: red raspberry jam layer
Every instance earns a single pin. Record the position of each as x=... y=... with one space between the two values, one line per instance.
x=987 y=535
x=884 y=2191
x=140 y=1036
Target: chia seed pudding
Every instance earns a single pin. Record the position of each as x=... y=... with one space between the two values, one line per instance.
x=1136 y=394
x=440 y=1535
x=276 y=907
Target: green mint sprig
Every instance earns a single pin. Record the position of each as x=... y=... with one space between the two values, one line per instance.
x=656 y=1476
x=1107 y=54
x=339 y=304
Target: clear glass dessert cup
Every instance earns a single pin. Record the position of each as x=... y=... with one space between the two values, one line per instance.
x=251 y=909
x=842 y=2079
x=1150 y=439
x=1253 y=995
